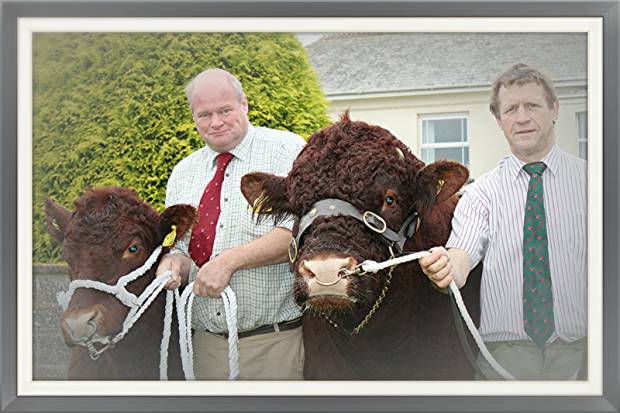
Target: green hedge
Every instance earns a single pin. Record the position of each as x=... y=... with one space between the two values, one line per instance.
x=109 y=109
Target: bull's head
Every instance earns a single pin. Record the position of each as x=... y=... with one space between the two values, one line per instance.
x=368 y=168
x=110 y=233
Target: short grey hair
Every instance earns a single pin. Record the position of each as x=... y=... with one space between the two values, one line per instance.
x=232 y=81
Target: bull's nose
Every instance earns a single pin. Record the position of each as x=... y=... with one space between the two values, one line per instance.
x=81 y=325
x=326 y=271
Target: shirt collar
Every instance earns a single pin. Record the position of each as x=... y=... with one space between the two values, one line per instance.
x=552 y=160
x=241 y=151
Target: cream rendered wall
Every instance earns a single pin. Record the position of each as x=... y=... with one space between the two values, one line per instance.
x=566 y=129
x=401 y=116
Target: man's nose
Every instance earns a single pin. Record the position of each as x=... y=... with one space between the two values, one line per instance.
x=522 y=114
x=216 y=121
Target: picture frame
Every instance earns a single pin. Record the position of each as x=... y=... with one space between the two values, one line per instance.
x=12 y=241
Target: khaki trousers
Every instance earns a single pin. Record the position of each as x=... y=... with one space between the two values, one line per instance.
x=525 y=360
x=271 y=356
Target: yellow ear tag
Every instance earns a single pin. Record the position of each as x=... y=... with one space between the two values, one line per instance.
x=440 y=185
x=171 y=237
x=258 y=204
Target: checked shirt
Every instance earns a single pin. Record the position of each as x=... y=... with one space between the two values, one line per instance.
x=264 y=294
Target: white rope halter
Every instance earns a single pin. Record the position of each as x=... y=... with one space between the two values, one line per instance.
x=373 y=266
x=139 y=304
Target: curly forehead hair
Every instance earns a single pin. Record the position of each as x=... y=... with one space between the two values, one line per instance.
x=521 y=74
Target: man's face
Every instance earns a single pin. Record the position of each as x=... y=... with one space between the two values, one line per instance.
x=220 y=116
x=527 y=120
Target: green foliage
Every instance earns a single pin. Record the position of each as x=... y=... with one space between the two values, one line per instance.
x=110 y=109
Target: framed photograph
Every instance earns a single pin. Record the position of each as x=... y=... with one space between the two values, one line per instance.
x=576 y=41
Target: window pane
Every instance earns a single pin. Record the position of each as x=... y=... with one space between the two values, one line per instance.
x=428 y=155
x=582 y=120
x=454 y=154
x=583 y=150
x=443 y=130
x=464 y=129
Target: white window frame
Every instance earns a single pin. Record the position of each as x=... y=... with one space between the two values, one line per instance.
x=443 y=116
x=582 y=139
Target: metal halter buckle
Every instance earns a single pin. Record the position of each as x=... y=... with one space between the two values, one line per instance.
x=369 y=214
x=292 y=247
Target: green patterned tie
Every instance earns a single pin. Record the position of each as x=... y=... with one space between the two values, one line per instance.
x=537 y=295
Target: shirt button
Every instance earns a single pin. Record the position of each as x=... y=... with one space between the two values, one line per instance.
x=227 y=174
x=218 y=314
x=225 y=199
x=221 y=225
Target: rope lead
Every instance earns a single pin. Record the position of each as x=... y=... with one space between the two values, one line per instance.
x=138 y=305
x=373 y=266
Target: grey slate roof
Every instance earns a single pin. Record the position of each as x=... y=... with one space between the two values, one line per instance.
x=361 y=63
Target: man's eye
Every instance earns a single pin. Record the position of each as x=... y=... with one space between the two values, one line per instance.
x=390 y=200
x=133 y=248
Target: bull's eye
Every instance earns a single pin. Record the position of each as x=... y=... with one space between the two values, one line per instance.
x=390 y=200
x=134 y=248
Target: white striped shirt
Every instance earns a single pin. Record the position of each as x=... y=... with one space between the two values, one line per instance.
x=264 y=294
x=488 y=225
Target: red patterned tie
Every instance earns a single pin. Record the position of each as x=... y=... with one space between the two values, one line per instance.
x=203 y=234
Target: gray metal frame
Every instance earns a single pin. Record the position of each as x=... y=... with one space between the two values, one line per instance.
x=10 y=11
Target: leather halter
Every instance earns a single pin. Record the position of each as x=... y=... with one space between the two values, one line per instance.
x=331 y=207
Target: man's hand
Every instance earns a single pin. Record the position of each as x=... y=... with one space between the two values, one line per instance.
x=269 y=249
x=437 y=267
x=214 y=275
x=179 y=265
x=442 y=266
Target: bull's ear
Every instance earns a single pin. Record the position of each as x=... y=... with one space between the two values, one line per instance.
x=182 y=216
x=437 y=182
x=57 y=218
x=266 y=194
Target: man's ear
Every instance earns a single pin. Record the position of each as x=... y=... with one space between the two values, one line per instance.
x=266 y=194
x=437 y=182
x=182 y=216
x=245 y=107
x=58 y=218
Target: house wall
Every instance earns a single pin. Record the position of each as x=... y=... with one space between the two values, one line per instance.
x=401 y=116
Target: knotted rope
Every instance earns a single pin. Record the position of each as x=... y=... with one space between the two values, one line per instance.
x=373 y=266
x=184 y=305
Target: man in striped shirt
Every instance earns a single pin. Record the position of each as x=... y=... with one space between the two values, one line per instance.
x=249 y=257
x=491 y=222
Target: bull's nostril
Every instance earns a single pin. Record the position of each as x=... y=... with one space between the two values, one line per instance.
x=80 y=326
x=325 y=271
x=345 y=272
x=93 y=325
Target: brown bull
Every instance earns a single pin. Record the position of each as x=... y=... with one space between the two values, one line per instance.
x=111 y=233
x=390 y=325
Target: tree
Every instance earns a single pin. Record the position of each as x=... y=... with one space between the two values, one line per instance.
x=109 y=108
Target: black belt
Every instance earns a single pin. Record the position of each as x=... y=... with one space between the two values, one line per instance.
x=267 y=328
